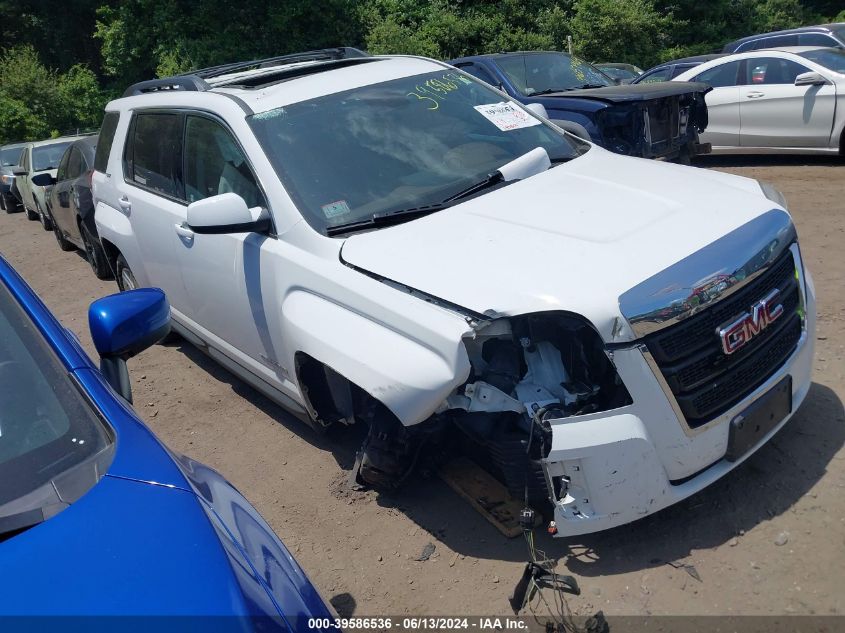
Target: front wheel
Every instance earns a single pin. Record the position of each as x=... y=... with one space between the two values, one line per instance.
x=95 y=254
x=125 y=278
x=30 y=215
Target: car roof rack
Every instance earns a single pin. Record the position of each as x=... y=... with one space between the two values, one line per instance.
x=195 y=80
x=181 y=82
x=337 y=53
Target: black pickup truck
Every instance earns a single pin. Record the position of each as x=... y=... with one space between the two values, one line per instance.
x=658 y=120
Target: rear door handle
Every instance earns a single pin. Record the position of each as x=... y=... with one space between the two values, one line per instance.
x=124 y=204
x=755 y=95
x=184 y=232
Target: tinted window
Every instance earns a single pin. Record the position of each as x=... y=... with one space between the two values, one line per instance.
x=46 y=427
x=12 y=156
x=399 y=144
x=661 y=74
x=481 y=73
x=551 y=72
x=75 y=165
x=816 y=39
x=47 y=157
x=62 y=172
x=719 y=76
x=771 y=70
x=832 y=59
x=214 y=164
x=104 y=142
x=681 y=68
x=156 y=153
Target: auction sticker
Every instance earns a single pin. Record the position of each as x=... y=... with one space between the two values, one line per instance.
x=506 y=116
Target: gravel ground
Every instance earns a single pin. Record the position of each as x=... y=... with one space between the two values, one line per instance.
x=768 y=538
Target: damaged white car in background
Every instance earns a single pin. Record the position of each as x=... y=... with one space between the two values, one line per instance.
x=409 y=249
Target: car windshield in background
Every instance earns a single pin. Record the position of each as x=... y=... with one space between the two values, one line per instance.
x=11 y=156
x=48 y=157
x=541 y=73
x=831 y=58
x=398 y=145
x=46 y=428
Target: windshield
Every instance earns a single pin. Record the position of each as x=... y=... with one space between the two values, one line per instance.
x=831 y=58
x=400 y=144
x=534 y=73
x=46 y=428
x=10 y=156
x=618 y=73
x=48 y=156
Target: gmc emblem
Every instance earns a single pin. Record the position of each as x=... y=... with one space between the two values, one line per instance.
x=749 y=324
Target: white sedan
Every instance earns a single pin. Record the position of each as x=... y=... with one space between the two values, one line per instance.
x=785 y=100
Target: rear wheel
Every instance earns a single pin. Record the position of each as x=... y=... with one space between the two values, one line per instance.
x=125 y=278
x=10 y=205
x=95 y=254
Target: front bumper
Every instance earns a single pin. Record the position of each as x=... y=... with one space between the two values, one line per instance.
x=611 y=468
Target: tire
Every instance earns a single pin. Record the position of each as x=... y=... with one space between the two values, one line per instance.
x=95 y=254
x=44 y=217
x=3 y=203
x=30 y=215
x=125 y=278
x=9 y=203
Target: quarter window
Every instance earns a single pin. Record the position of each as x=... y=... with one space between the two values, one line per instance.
x=105 y=140
x=719 y=76
x=215 y=164
x=771 y=70
x=155 y=153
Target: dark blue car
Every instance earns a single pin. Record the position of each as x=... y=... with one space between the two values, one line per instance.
x=649 y=121
x=97 y=516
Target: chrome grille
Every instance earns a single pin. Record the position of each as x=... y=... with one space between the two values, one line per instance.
x=704 y=380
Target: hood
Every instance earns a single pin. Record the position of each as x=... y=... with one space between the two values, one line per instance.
x=573 y=238
x=637 y=92
x=124 y=548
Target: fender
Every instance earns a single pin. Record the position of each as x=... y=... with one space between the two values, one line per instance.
x=115 y=227
x=409 y=376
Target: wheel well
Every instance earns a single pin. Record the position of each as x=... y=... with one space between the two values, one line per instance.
x=329 y=397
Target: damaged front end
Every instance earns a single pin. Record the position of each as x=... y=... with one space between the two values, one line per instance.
x=529 y=373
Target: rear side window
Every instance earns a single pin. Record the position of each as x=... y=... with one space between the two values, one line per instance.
x=661 y=74
x=154 y=155
x=772 y=70
x=816 y=39
x=719 y=76
x=105 y=140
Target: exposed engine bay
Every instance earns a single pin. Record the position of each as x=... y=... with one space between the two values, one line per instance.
x=528 y=373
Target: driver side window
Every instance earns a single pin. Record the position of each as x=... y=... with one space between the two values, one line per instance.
x=215 y=164
x=719 y=76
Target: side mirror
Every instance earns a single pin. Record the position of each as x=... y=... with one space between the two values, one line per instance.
x=225 y=213
x=124 y=324
x=537 y=108
x=810 y=79
x=43 y=180
x=19 y=171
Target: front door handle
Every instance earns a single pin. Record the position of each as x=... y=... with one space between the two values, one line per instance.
x=184 y=232
x=124 y=204
x=755 y=95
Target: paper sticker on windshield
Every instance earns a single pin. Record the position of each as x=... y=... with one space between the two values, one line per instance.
x=506 y=116
x=334 y=209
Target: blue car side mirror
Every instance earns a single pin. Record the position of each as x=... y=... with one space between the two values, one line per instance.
x=124 y=324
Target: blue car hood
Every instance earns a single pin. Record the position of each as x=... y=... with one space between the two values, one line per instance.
x=124 y=548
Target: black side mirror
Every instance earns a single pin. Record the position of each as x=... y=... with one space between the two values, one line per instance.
x=43 y=180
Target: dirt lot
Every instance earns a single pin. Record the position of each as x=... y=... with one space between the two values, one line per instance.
x=768 y=538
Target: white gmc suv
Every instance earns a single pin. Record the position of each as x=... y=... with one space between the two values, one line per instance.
x=388 y=241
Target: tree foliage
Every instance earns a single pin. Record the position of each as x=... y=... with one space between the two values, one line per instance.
x=64 y=57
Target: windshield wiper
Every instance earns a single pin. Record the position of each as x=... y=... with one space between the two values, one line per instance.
x=588 y=86
x=533 y=162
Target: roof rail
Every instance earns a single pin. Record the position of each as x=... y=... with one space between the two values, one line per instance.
x=180 y=82
x=340 y=52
